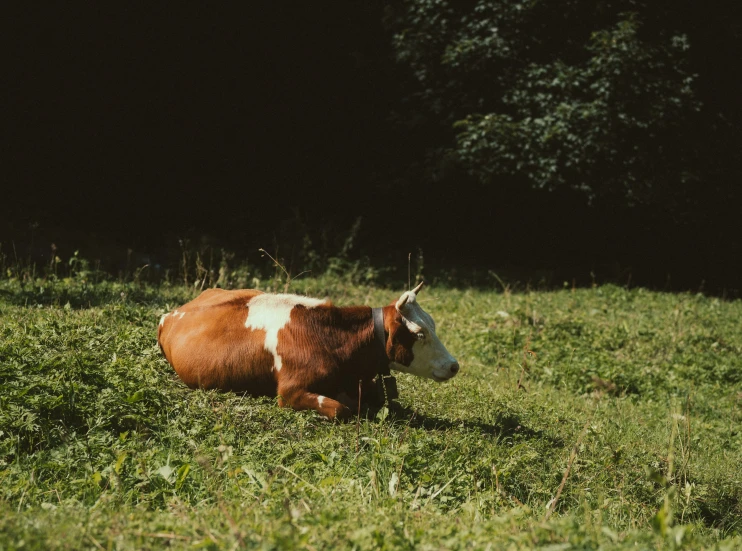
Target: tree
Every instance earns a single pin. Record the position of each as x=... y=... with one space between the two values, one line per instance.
x=570 y=94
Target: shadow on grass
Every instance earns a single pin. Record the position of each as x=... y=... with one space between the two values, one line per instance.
x=506 y=426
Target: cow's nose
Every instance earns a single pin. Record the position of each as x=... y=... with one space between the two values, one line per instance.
x=454 y=368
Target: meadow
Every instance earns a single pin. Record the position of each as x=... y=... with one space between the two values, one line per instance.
x=597 y=418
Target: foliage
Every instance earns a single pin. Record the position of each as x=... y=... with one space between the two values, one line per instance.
x=568 y=93
x=102 y=446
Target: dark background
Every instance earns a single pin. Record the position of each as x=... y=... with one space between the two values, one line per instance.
x=132 y=129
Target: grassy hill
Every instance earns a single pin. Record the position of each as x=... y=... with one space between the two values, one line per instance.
x=599 y=418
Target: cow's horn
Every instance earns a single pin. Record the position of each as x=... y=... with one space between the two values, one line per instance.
x=402 y=301
x=416 y=290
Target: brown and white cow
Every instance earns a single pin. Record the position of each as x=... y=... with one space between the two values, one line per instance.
x=308 y=352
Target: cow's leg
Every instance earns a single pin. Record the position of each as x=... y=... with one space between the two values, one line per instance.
x=348 y=400
x=297 y=398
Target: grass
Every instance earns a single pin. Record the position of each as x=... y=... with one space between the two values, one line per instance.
x=628 y=400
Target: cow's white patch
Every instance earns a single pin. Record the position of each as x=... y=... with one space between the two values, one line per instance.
x=173 y=313
x=320 y=400
x=271 y=313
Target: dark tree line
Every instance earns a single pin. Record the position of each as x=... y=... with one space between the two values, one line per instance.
x=573 y=136
x=630 y=107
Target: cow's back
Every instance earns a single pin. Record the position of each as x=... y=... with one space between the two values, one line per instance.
x=209 y=346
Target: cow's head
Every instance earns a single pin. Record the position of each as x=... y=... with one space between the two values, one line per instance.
x=413 y=345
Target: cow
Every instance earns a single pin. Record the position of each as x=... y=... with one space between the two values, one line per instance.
x=308 y=352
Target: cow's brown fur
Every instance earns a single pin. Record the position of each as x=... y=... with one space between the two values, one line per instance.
x=325 y=350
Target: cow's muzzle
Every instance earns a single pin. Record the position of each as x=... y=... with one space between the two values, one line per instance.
x=450 y=371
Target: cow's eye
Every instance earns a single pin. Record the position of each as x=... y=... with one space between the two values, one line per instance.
x=420 y=336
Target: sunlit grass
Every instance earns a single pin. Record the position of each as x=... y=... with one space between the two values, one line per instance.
x=102 y=447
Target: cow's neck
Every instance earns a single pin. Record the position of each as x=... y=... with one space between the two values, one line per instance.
x=363 y=356
x=365 y=342
x=379 y=345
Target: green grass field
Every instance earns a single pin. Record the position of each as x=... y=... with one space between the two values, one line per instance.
x=620 y=410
